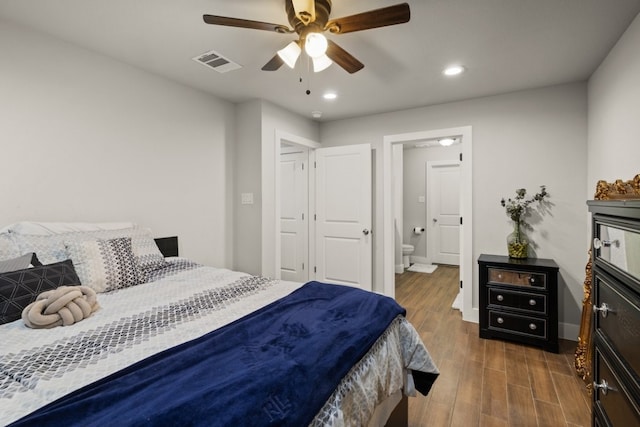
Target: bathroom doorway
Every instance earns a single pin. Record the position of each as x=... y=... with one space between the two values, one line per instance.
x=391 y=246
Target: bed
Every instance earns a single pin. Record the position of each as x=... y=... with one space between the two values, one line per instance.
x=172 y=342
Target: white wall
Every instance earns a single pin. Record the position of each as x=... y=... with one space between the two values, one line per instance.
x=614 y=113
x=257 y=122
x=522 y=139
x=86 y=138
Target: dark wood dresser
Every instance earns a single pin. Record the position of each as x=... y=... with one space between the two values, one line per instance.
x=616 y=307
x=519 y=300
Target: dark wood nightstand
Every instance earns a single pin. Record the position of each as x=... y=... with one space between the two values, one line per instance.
x=519 y=300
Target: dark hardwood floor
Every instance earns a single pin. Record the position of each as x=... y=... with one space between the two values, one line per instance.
x=486 y=382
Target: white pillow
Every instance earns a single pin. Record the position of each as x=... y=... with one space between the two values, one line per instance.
x=50 y=228
x=8 y=249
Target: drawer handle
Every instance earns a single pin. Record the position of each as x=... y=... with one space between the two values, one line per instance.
x=499 y=275
x=532 y=302
x=500 y=320
x=597 y=243
x=532 y=326
x=532 y=280
x=604 y=309
x=603 y=387
x=500 y=298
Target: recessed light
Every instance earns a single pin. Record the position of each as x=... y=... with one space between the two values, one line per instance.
x=330 y=95
x=453 y=70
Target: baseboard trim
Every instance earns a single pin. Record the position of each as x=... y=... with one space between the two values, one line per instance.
x=568 y=331
x=399 y=268
x=419 y=260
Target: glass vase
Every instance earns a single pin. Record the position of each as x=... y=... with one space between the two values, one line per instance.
x=517 y=243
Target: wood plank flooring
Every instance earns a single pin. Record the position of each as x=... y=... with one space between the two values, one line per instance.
x=485 y=382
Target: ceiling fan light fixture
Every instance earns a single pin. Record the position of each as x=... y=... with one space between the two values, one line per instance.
x=305 y=10
x=316 y=45
x=290 y=53
x=321 y=63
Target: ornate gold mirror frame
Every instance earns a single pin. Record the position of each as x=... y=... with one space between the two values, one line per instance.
x=618 y=190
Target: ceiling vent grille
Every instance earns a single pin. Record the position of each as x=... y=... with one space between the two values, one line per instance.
x=216 y=61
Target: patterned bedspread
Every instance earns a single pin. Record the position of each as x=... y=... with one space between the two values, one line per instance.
x=184 y=301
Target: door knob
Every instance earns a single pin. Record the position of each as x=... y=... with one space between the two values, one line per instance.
x=365 y=232
x=435 y=220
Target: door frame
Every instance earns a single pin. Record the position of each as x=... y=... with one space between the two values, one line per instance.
x=273 y=229
x=466 y=250
x=429 y=214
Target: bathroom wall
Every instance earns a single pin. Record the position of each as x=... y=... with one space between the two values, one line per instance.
x=414 y=179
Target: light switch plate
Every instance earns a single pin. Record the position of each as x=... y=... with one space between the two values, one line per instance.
x=246 y=198
x=420 y=199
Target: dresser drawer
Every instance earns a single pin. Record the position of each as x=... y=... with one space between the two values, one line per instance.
x=535 y=303
x=610 y=396
x=618 y=246
x=521 y=325
x=618 y=318
x=516 y=278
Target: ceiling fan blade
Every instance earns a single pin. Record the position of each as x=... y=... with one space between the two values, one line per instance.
x=392 y=15
x=245 y=23
x=343 y=58
x=275 y=63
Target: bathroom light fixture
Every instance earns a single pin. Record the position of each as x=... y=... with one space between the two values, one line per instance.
x=453 y=70
x=290 y=53
x=445 y=142
x=315 y=45
x=316 y=114
x=330 y=95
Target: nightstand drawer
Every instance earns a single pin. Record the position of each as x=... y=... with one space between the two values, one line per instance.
x=618 y=318
x=536 y=303
x=611 y=396
x=522 y=325
x=516 y=278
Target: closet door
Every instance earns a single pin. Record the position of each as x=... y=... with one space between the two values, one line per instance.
x=343 y=215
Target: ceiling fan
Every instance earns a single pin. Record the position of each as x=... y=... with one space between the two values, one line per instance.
x=309 y=19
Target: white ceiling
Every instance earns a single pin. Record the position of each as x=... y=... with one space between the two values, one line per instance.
x=506 y=45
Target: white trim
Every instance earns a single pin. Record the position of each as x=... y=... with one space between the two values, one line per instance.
x=273 y=229
x=466 y=250
x=419 y=260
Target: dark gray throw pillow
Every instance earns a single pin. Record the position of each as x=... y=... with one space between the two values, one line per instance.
x=20 y=288
x=20 y=263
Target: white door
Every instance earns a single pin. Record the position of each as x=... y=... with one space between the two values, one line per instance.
x=343 y=215
x=294 y=215
x=443 y=208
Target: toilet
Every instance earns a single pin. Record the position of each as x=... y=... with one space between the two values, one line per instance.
x=407 y=250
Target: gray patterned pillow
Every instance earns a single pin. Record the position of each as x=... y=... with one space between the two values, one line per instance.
x=52 y=248
x=105 y=264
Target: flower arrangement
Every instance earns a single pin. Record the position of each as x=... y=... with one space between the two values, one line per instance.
x=517 y=208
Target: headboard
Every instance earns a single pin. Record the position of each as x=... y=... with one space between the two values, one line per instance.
x=168 y=245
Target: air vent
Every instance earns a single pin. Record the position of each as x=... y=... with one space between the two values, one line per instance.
x=216 y=61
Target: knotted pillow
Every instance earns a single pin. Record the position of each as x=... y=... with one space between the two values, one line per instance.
x=65 y=306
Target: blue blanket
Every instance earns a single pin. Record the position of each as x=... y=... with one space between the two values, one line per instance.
x=274 y=367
